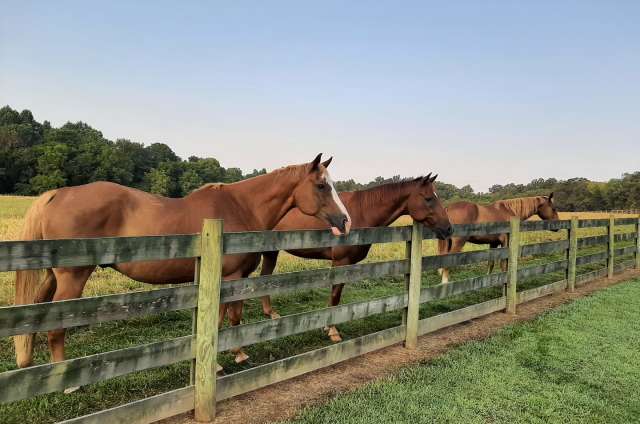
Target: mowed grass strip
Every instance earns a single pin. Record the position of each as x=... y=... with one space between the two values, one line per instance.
x=576 y=364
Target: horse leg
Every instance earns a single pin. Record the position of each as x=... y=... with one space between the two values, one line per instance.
x=504 y=242
x=235 y=316
x=456 y=246
x=443 y=249
x=332 y=331
x=492 y=263
x=334 y=300
x=269 y=261
x=69 y=285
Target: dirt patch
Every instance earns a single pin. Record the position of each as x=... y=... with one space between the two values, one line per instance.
x=284 y=400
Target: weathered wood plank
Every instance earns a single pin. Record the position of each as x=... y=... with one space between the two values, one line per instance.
x=626 y=221
x=582 y=279
x=547 y=268
x=210 y=276
x=595 y=240
x=431 y=324
x=536 y=292
x=544 y=248
x=267 y=241
x=622 y=251
x=248 y=288
x=146 y=410
x=590 y=223
x=589 y=259
x=545 y=225
x=39 y=254
x=415 y=283
x=463 y=230
x=53 y=377
x=442 y=291
x=261 y=331
x=514 y=255
x=592 y=241
x=284 y=369
x=91 y=310
x=464 y=258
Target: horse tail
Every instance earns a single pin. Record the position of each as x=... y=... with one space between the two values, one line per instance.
x=28 y=282
x=444 y=246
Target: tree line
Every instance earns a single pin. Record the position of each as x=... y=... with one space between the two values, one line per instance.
x=36 y=157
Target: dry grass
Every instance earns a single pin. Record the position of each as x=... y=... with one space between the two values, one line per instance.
x=107 y=281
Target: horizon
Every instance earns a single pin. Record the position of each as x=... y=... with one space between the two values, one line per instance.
x=481 y=94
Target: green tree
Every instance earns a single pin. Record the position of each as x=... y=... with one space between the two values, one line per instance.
x=159 y=182
x=189 y=181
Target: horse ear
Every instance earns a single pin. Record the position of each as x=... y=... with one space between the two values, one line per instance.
x=327 y=162
x=425 y=180
x=433 y=178
x=315 y=163
x=551 y=196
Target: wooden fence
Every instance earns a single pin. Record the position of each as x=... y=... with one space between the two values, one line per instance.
x=204 y=296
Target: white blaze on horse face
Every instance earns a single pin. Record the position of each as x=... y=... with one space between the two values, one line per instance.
x=336 y=198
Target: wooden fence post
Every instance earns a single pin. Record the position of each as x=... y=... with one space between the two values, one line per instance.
x=207 y=322
x=414 y=286
x=514 y=254
x=194 y=322
x=638 y=244
x=572 y=254
x=610 y=257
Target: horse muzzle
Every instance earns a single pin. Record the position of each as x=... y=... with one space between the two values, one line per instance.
x=443 y=233
x=340 y=224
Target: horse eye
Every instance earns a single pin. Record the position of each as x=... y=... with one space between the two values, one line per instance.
x=321 y=186
x=429 y=199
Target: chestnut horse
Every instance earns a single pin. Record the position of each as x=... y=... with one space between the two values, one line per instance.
x=105 y=209
x=375 y=207
x=502 y=210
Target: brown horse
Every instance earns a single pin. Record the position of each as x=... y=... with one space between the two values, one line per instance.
x=502 y=210
x=107 y=210
x=375 y=207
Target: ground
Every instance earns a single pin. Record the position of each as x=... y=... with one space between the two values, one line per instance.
x=119 y=334
x=499 y=368
x=577 y=364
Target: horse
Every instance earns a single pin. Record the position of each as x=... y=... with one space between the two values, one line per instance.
x=374 y=207
x=104 y=209
x=499 y=211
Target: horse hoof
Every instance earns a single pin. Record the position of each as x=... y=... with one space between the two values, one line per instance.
x=70 y=390
x=334 y=335
x=219 y=369
x=241 y=357
x=274 y=315
x=335 y=338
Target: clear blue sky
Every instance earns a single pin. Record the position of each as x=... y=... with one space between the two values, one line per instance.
x=481 y=92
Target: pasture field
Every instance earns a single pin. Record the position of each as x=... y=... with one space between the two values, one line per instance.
x=574 y=364
x=119 y=334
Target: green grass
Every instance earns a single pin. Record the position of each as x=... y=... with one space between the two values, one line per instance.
x=576 y=364
x=116 y=335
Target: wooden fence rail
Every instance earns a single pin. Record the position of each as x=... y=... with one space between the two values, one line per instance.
x=207 y=293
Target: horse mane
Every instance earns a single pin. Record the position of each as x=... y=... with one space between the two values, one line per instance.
x=373 y=195
x=523 y=207
x=285 y=171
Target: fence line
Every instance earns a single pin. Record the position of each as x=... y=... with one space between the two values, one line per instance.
x=205 y=296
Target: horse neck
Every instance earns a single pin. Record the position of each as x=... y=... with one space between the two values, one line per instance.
x=266 y=198
x=380 y=206
x=524 y=208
